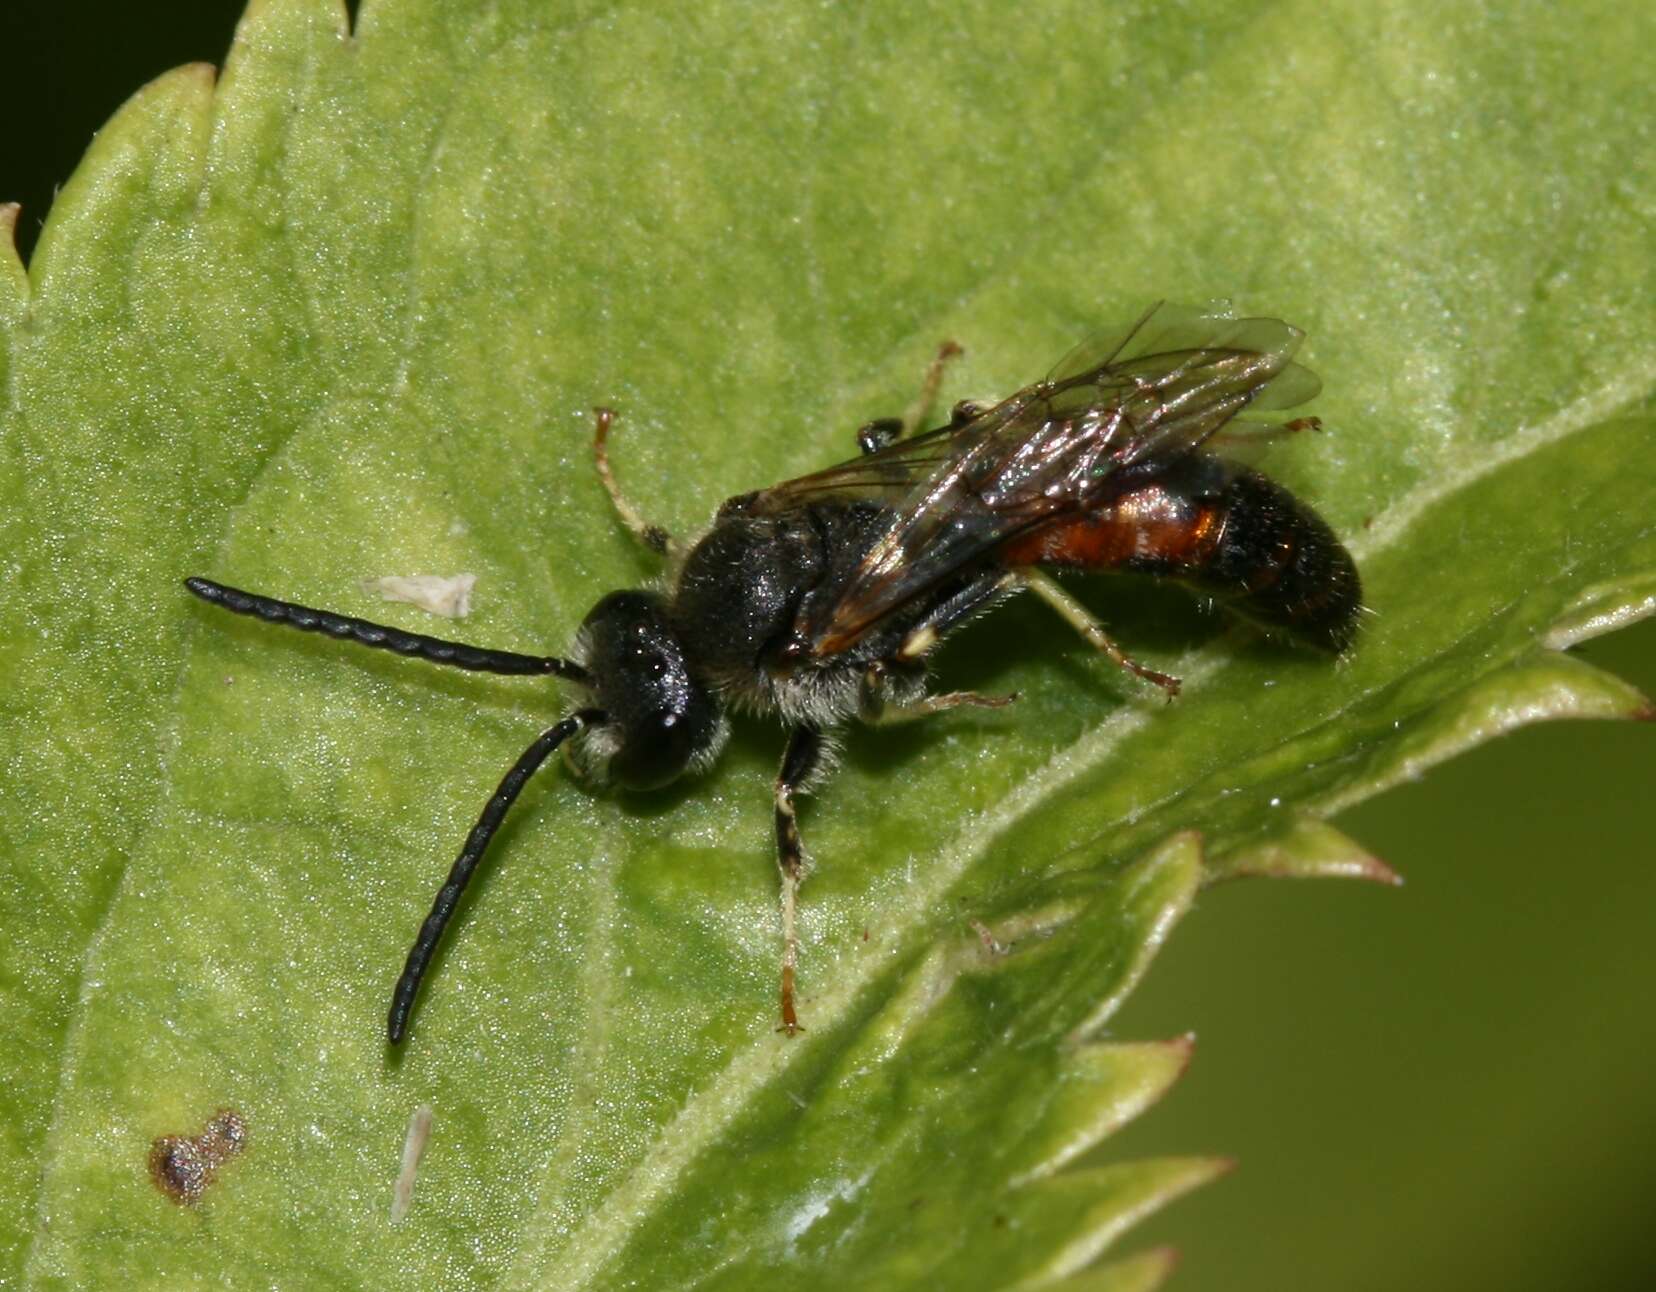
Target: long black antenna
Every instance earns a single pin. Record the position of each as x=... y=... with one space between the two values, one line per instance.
x=425 y=942
x=435 y=649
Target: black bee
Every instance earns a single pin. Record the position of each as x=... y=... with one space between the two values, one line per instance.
x=820 y=599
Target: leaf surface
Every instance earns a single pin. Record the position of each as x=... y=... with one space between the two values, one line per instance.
x=341 y=314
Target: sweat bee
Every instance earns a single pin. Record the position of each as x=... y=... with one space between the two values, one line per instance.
x=820 y=600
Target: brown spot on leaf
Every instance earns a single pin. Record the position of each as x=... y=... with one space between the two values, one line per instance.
x=183 y=1166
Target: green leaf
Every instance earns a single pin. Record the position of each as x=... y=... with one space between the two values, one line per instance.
x=342 y=315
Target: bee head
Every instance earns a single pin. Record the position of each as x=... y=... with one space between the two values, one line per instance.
x=660 y=720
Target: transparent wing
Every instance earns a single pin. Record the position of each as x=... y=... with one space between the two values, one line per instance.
x=1055 y=448
x=887 y=476
x=1180 y=373
x=1031 y=467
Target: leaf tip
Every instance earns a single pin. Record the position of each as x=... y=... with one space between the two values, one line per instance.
x=1602 y=608
x=202 y=74
x=1141 y=1272
x=329 y=16
x=1373 y=870
x=1100 y=1088
x=1158 y=1264
x=1308 y=848
x=1114 y=1198
x=11 y=260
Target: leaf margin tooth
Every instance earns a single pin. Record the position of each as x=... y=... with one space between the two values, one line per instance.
x=1546 y=686
x=1101 y=1086
x=1602 y=608
x=1126 y=1193
x=1141 y=1272
x=1176 y=861
x=1306 y=848
x=14 y=278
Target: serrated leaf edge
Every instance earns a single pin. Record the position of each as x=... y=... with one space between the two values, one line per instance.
x=1139 y=1189
x=1046 y=786
x=1101 y=1087
x=11 y=261
x=1603 y=608
x=1309 y=848
x=1141 y=1272
x=1546 y=686
x=1175 y=863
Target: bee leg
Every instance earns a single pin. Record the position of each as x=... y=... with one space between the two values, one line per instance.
x=1075 y=614
x=883 y=432
x=876 y=435
x=979 y=595
x=930 y=384
x=800 y=761
x=654 y=537
x=876 y=710
x=873 y=703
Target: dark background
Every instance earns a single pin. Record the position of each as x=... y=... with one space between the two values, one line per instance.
x=69 y=66
x=1451 y=1085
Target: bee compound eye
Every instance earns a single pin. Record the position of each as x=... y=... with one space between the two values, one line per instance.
x=655 y=750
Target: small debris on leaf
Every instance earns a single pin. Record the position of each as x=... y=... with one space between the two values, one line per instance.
x=183 y=1167
x=436 y=594
x=991 y=944
x=414 y=1144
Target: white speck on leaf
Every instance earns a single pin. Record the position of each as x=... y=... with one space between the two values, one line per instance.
x=437 y=594
x=816 y=1205
x=414 y=1144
